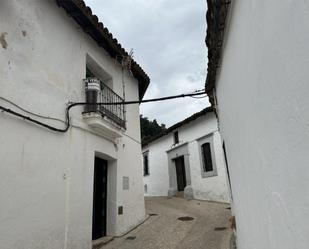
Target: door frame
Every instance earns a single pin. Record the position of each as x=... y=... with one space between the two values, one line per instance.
x=180 y=150
x=100 y=180
x=111 y=207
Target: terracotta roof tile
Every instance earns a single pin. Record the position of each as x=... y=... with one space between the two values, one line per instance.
x=90 y=23
x=217 y=11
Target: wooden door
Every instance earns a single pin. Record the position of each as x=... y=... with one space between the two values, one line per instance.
x=99 y=199
x=180 y=173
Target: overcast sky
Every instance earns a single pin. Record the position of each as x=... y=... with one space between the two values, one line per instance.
x=168 y=39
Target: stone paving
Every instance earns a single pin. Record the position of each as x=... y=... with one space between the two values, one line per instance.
x=209 y=228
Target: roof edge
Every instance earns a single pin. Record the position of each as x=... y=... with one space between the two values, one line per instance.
x=216 y=22
x=83 y=16
x=179 y=124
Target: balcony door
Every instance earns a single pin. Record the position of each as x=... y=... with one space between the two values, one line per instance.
x=99 y=199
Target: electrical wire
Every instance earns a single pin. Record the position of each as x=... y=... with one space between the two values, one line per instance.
x=71 y=105
x=29 y=112
x=32 y=120
x=203 y=97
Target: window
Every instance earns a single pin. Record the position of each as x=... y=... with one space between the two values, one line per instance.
x=94 y=69
x=99 y=88
x=206 y=154
x=176 y=137
x=146 y=164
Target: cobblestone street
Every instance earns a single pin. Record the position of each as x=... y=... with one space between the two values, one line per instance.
x=209 y=228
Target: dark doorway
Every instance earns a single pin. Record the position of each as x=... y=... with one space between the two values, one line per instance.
x=99 y=199
x=180 y=173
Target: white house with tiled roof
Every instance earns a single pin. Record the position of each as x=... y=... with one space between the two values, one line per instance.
x=69 y=174
x=258 y=81
x=187 y=158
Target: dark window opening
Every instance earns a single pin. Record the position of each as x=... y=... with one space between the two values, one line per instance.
x=176 y=137
x=146 y=165
x=207 y=161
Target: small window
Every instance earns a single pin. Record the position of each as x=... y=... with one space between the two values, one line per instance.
x=207 y=161
x=176 y=137
x=146 y=164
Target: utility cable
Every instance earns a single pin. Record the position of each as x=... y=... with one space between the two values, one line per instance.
x=29 y=112
x=32 y=120
x=202 y=97
x=71 y=105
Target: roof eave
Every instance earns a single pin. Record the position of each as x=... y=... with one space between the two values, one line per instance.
x=179 y=124
x=216 y=17
x=90 y=24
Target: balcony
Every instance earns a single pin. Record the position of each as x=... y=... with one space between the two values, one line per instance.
x=108 y=119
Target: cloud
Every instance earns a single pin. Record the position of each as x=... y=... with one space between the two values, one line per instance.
x=168 y=38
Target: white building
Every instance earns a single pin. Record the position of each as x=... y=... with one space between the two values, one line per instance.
x=261 y=94
x=187 y=157
x=65 y=189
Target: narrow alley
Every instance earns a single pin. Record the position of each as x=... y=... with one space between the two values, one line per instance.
x=209 y=228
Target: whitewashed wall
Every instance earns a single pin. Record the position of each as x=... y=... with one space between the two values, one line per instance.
x=157 y=182
x=263 y=103
x=46 y=178
x=210 y=188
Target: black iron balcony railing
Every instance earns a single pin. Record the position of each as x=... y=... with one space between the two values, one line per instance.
x=97 y=91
